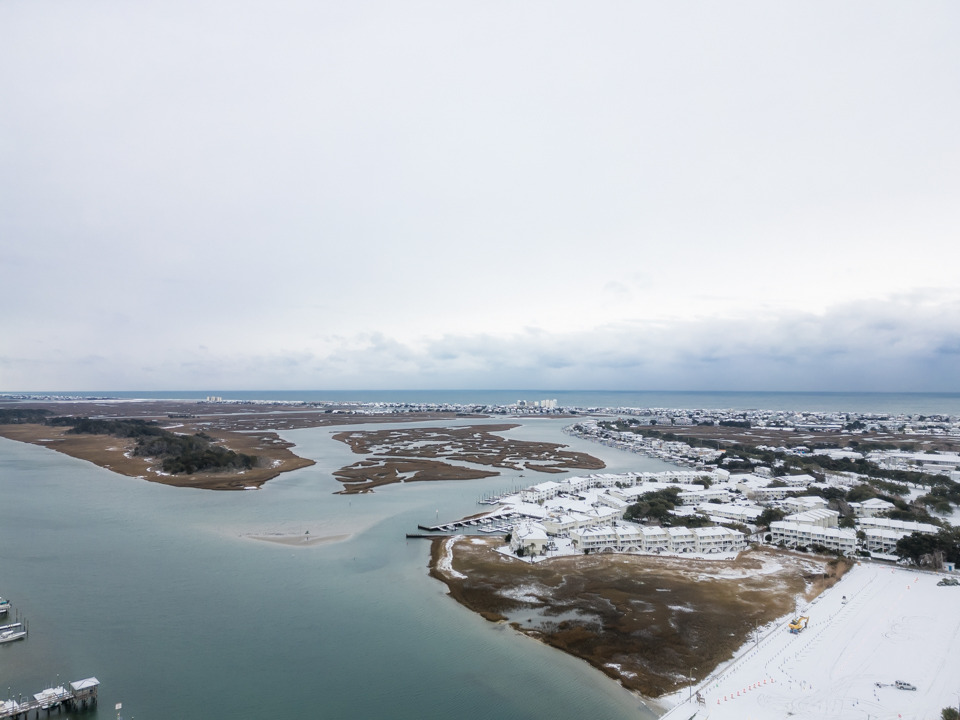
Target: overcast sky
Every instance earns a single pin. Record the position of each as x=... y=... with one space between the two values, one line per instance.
x=288 y=195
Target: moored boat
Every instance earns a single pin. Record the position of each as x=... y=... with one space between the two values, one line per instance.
x=10 y=633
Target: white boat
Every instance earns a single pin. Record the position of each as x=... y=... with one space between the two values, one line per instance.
x=11 y=635
x=9 y=708
x=4 y=606
x=51 y=697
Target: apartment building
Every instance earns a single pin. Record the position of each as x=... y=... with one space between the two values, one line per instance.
x=794 y=534
x=821 y=517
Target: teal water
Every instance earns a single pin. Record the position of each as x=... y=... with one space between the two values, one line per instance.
x=152 y=590
x=865 y=402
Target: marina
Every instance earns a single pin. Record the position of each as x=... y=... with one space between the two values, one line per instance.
x=496 y=521
x=79 y=695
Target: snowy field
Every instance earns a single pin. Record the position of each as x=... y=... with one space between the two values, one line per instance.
x=896 y=625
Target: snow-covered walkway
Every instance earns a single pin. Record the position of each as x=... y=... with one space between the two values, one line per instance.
x=896 y=625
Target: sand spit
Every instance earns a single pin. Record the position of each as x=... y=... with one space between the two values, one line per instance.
x=301 y=540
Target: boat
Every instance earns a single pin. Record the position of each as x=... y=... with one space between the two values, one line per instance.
x=9 y=633
x=12 y=635
x=4 y=606
x=51 y=697
x=9 y=708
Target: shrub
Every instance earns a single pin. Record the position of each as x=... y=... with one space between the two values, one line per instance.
x=17 y=416
x=770 y=515
x=654 y=505
x=186 y=454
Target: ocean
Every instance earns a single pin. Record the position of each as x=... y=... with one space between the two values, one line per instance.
x=909 y=403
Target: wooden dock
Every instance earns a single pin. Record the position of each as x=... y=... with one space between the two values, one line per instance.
x=79 y=695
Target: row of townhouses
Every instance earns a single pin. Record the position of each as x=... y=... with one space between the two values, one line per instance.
x=534 y=538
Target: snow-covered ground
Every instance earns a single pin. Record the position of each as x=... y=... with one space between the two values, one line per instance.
x=896 y=625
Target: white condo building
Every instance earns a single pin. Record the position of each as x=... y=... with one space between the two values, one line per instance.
x=794 y=534
x=630 y=538
x=821 y=517
x=871 y=507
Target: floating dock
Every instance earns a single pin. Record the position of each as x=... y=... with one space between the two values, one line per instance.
x=496 y=521
x=80 y=695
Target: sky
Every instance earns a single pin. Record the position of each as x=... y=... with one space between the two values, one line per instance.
x=429 y=195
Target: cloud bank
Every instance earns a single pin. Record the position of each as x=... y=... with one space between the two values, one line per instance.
x=901 y=344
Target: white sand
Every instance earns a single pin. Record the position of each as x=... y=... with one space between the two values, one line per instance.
x=897 y=625
x=301 y=540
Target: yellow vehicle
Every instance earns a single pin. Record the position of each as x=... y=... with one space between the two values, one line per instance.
x=798 y=625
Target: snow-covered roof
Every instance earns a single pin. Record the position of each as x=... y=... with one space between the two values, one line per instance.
x=885 y=533
x=811 y=516
x=907 y=525
x=530 y=531
x=839 y=533
x=546 y=485
x=84 y=684
x=715 y=531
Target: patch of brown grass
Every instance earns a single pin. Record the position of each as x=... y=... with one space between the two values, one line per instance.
x=655 y=617
x=832 y=573
x=367 y=474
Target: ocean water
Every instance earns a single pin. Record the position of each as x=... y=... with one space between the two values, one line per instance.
x=922 y=403
x=154 y=591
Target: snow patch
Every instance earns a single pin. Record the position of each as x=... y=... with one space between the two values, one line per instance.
x=445 y=563
x=619 y=669
x=529 y=593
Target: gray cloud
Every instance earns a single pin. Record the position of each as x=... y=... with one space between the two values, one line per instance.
x=899 y=344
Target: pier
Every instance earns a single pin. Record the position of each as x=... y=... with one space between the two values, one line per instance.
x=495 y=521
x=80 y=695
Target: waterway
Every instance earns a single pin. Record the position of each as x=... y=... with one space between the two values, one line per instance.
x=159 y=593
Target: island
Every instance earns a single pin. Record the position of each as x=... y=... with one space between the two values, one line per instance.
x=416 y=454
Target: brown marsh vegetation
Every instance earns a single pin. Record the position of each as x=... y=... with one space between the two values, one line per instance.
x=643 y=620
x=392 y=453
